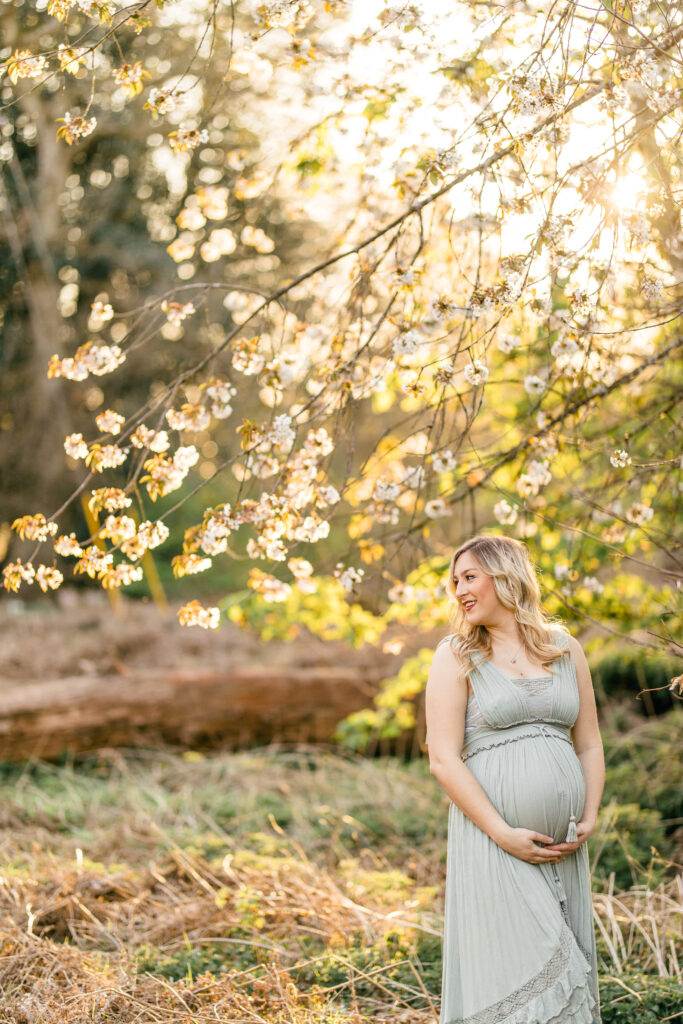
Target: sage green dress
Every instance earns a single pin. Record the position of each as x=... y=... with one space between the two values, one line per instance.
x=518 y=941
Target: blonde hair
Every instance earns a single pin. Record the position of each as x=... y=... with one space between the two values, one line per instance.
x=507 y=562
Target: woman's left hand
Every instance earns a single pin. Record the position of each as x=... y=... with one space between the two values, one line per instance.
x=584 y=829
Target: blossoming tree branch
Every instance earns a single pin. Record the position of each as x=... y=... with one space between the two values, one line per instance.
x=394 y=272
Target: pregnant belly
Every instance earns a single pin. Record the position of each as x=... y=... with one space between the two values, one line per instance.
x=535 y=783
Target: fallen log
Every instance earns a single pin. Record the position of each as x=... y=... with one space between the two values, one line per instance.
x=234 y=709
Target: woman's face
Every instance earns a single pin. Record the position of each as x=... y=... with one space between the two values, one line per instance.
x=475 y=591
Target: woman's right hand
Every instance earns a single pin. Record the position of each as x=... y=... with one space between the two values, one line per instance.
x=522 y=843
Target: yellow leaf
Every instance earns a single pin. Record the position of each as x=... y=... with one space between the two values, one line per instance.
x=382 y=400
x=358 y=525
x=370 y=553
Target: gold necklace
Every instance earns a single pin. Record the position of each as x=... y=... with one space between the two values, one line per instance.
x=514 y=660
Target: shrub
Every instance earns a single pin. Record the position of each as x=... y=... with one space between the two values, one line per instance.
x=191 y=961
x=385 y=960
x=630 y=842
x=625 y=672
x=641 y=768
x=640 y=999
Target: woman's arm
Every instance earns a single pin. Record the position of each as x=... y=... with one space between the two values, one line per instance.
x=586 y=737
x=588 y=746
x=445 y=707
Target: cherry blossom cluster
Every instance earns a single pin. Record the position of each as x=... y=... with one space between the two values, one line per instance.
x=89 y=358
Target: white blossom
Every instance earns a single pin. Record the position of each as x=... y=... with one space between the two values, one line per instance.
x=160 y=101
x=511 y=288
x=653 y=289
x=281 y=433
x=152 y=534
x=538 y=470
x=101 y=359
x=48 y=578
x=118 y=528
x=504 y=512
x=406 y=343
x=405 y=278
x=536 y=476
x=476 y=373
x=639 y=513
x=436 y=508
x=440 y=309
x=213 y=538
x=385 y=490
x=185 y=458
x=155 y=440
x=508 y=342
x=479 y=305
x=176 y=312
x=401 y=593
x=75 y=446
x=444 y=462
x=534 y=385
x=413 y=477
x=105 y=456
x=193 y=614
x=68 y=546
x=312 y=530
x=639 y=228
x=328 y=495
x=109 y=422
x=188 y=417
x=100 y=313
x=348 y=576
x=220 y=394
x=564 y=347
x=620 y=458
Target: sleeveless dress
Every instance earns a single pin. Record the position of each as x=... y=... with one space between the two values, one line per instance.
x=518 y=941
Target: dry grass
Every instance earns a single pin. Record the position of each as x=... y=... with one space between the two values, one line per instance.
x=273 y=886
x=643 y=926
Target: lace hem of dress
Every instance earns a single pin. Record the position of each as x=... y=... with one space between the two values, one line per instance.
x=511 y=739
x=558 y=994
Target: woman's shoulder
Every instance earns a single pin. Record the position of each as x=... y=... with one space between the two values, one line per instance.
x=561 y=636
x=567 y=643
x=451 y=641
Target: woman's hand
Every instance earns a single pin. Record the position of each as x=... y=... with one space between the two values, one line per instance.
x=523 y=844
x=584 y=829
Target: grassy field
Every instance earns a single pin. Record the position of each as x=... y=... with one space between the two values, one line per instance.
x=275 y=885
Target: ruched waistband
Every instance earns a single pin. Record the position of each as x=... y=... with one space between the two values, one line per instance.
x=488 y=738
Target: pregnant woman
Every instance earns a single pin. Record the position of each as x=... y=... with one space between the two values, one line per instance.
x=513 y=739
